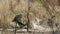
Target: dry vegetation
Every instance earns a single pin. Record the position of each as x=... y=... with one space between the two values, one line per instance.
x=42 y=9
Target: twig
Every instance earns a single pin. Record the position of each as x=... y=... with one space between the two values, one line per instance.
x=15 y=28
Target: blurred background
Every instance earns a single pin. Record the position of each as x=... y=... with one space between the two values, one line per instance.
x=37 y=9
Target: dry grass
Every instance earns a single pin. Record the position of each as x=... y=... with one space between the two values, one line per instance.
x=10 y=8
